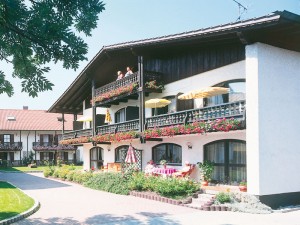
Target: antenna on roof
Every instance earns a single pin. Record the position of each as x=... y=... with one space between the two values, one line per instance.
x=242 y=9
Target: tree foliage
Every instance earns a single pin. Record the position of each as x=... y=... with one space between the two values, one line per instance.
x=36 y=32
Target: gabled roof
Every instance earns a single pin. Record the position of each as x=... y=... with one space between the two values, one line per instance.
x=281 y=29
x=15 y=119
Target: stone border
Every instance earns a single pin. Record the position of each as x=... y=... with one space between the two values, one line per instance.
x=206 y=207
x=33 y=171
x=22 y=215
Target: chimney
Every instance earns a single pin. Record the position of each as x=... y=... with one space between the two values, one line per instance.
x=25 y=107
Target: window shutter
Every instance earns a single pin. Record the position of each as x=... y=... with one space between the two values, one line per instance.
x=12 y=156
x=132 y=113
x=50 y=155
x=184 y=104
x=41 y=139
x=12 y=139
x=55 y=139
x=1 y=138
x=51 y=139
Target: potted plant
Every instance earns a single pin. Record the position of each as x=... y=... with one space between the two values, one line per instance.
x=163 y=162
x=206 y=170
x=243 y=186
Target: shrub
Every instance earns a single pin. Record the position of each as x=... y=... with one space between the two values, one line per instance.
x=223 y=197
x=48 y=172
x=70 y=175
x=110 y=182
x=63 y=171
x=168 y=187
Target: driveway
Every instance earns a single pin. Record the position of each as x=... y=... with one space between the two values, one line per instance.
x=68 y=203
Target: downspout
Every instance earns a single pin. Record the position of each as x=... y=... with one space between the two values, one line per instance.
x=21 y=146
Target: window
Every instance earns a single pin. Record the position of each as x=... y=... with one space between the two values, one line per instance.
x=96 y=161
x=120 y=116
x=170 y=152
x=6 y=138
x=48 y=156
x=118 y=151
x=237 y=92
x=229 y=157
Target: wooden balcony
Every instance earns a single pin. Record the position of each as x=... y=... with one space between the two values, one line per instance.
x=124 y=89
x=118 y=127
x=15 y=146
x=227 y=110
x=51 y=146
x=77 y=133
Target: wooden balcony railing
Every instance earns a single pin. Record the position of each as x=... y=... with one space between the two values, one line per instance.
x=15 y=146
x=118 y=127
x=77 y=133
x=43 y=143
x=226 y=110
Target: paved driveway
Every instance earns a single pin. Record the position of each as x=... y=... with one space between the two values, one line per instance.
x=68 y=203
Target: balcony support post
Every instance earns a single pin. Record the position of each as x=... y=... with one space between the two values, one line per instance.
x=93 y=108
x=141 y=93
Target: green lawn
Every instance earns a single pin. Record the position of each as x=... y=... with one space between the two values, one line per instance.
x=13 y=201
x=26 y=169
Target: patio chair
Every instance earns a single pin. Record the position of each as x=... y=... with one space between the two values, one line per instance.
x=181 y=174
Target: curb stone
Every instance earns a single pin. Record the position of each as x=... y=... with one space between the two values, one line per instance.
x=22 y=215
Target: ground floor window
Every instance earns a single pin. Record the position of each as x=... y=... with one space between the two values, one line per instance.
x=118 y=152
x=46 y=156
x=170 y=152
x=96 y=158
x=229 y=157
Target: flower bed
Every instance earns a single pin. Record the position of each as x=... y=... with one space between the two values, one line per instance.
x=194 y=128
x=75 y=141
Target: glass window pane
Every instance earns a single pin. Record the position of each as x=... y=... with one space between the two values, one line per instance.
x=215 y=152
x=219 y=173
x=237 y=174
x=170 y=152
x=237 y=153
x=6 y=138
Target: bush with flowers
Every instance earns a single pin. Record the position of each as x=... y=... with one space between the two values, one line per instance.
x=120 y=136
x=78 y=140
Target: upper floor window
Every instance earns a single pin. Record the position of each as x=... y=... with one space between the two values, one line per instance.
x=120 y=116
x=6 y=138
x=96 y=161
x=237 y=92
x=170 y=152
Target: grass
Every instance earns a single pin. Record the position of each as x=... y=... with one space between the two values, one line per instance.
x=12 y=201
x=26 y=169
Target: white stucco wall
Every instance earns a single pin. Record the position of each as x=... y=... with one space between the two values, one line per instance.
x=193 y=155
x=273 y=125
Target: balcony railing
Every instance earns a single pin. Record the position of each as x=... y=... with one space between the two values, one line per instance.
x=77 y=133
x=124 y=88
x=227 y=110
x=118 y=127
x=43 y=144
x=15 y=146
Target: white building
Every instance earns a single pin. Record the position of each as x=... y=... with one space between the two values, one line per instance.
x=25 y=132
x=257 y=59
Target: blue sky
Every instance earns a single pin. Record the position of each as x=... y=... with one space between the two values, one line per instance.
x=127 y=20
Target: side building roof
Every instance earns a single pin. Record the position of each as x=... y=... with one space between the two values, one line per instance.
x=17 y=119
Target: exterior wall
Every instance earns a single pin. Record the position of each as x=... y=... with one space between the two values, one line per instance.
x=193 y=155
x=206 y=79
x=273 y=95
x=27 y=143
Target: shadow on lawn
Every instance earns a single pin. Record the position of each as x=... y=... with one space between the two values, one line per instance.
x=27 y=181
x=150 y=218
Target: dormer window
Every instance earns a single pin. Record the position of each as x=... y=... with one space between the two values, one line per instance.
x=11 y=118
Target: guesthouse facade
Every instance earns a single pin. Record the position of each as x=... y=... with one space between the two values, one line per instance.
x=248 y=132
x=34 y=133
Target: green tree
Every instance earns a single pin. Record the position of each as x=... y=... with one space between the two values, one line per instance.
x=36 y=32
